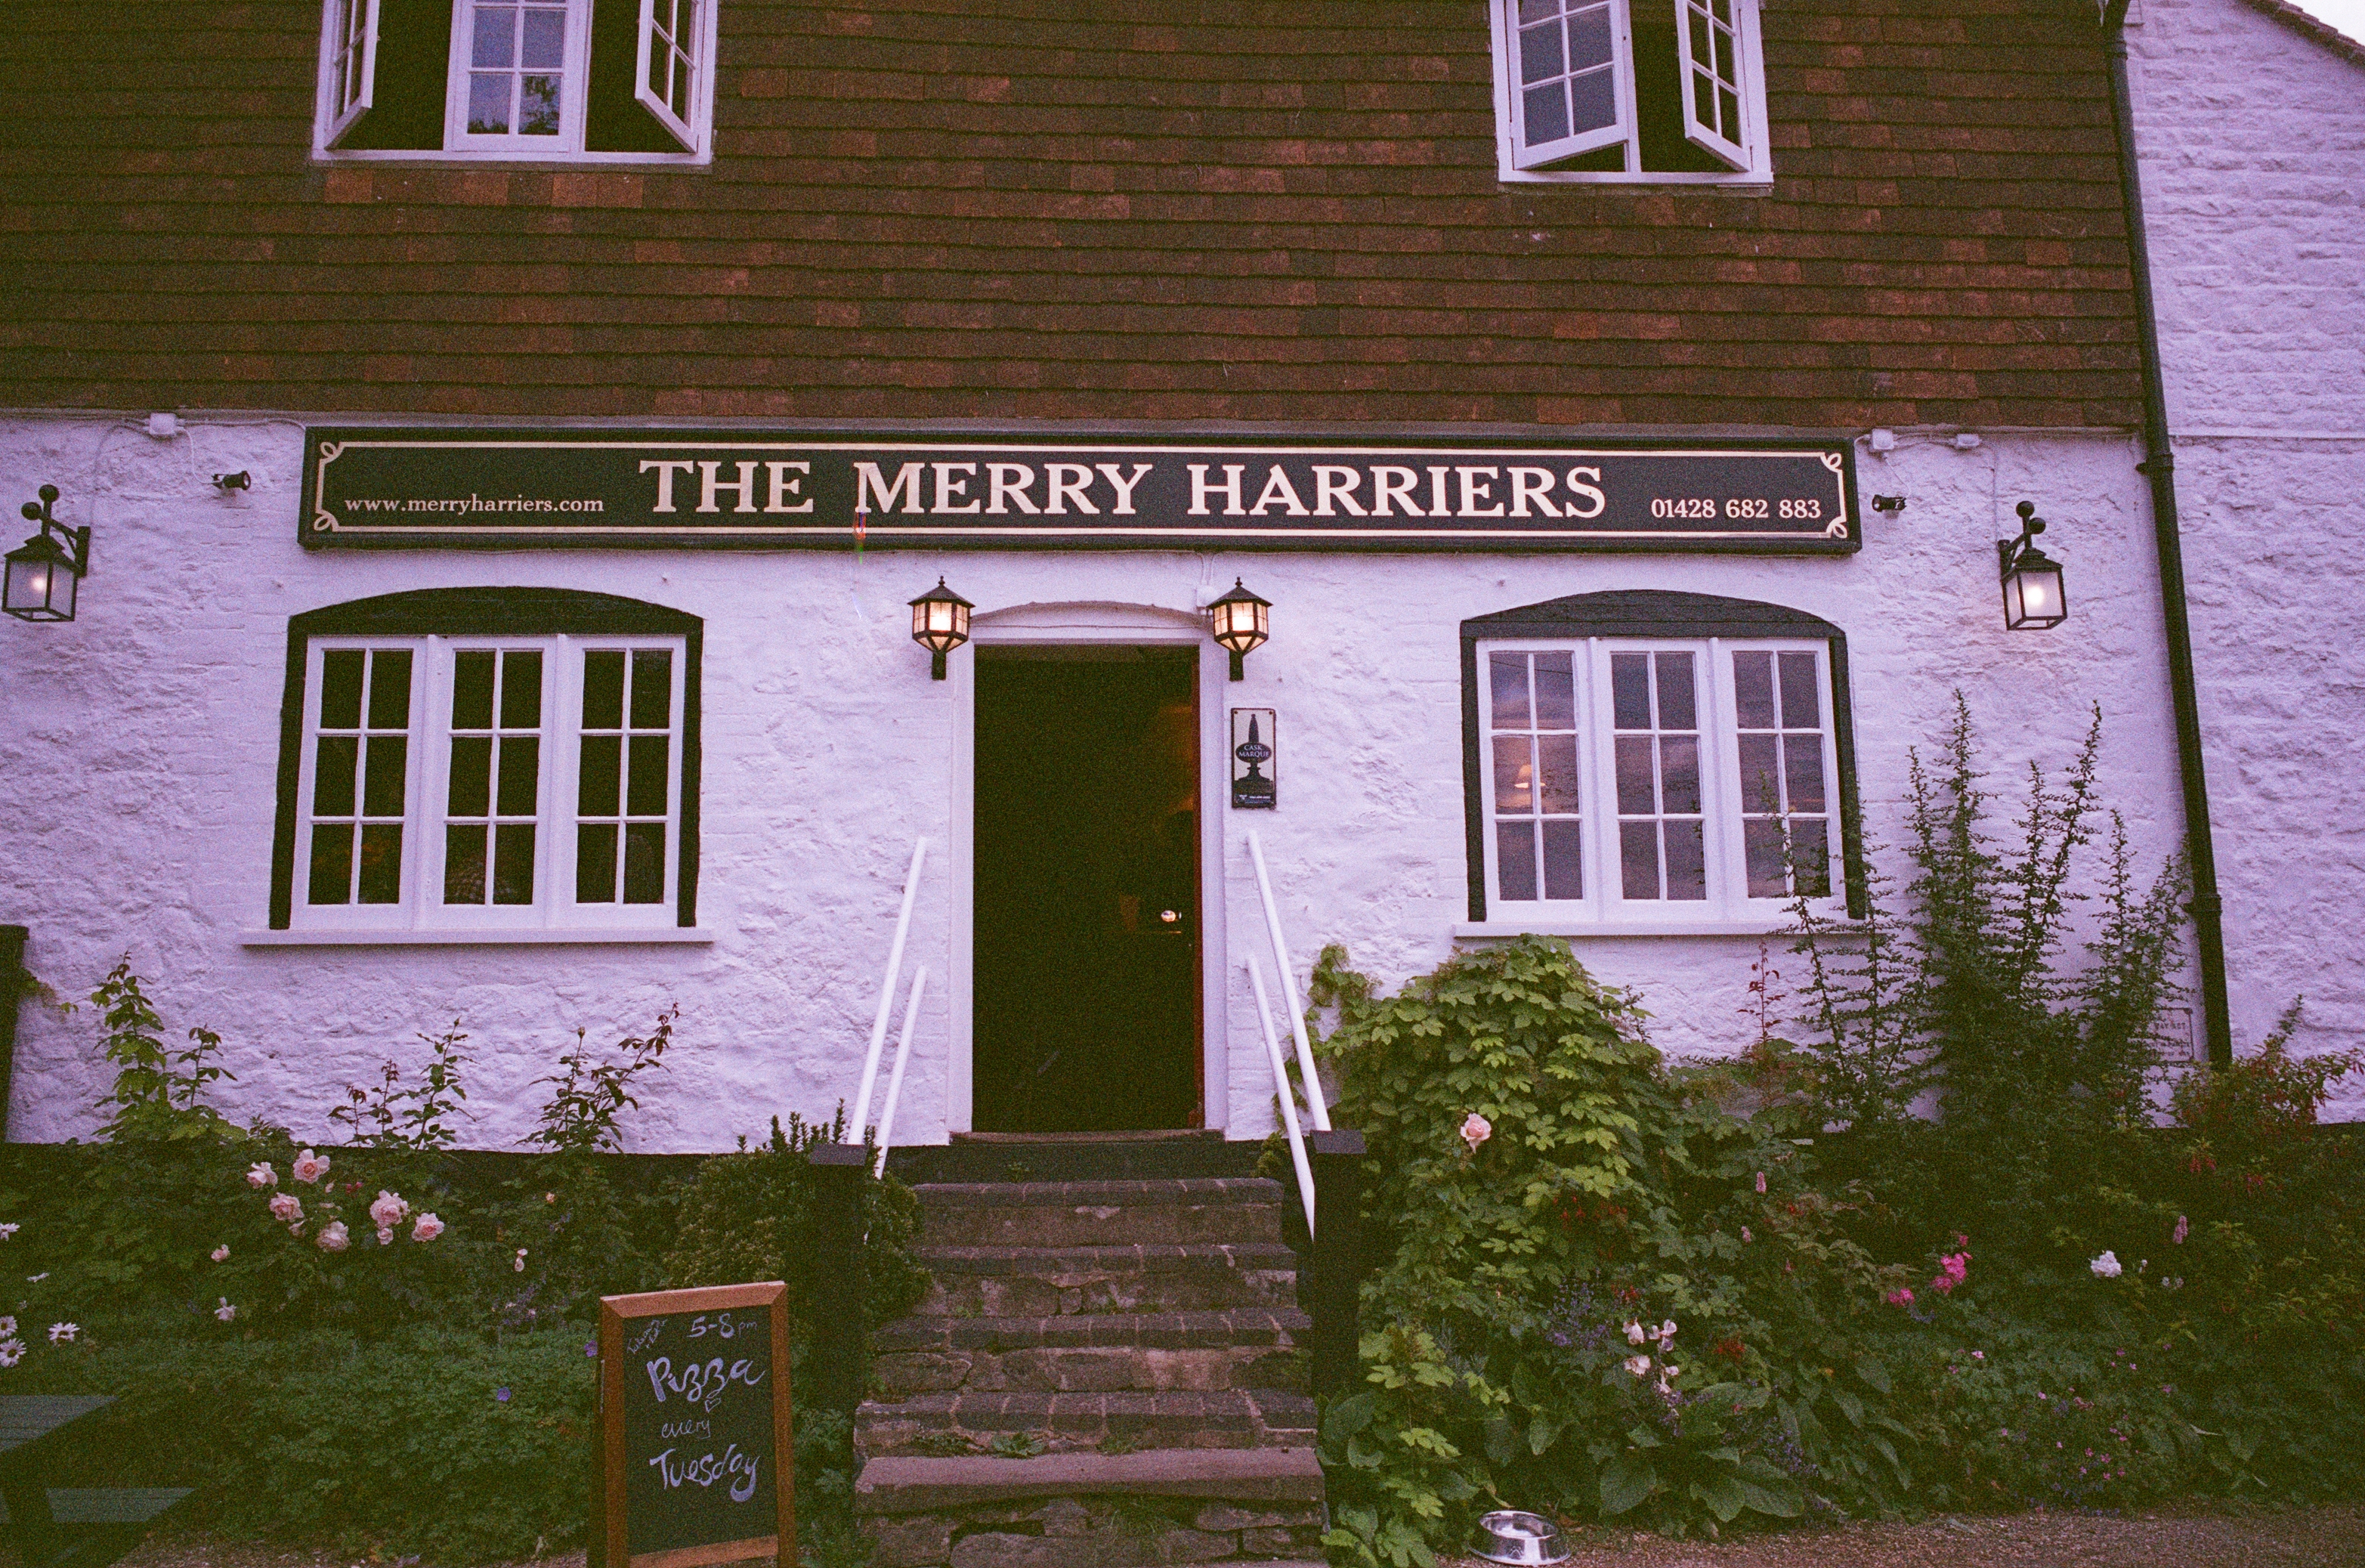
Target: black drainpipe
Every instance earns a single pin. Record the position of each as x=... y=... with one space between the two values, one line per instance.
x=2159 y=466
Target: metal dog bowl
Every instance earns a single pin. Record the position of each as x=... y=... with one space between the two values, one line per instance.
x=1526 y=1540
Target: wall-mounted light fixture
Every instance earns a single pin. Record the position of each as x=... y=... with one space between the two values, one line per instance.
x=1888 y=504
x=2033 y=597
x=940 y=624
x=241 y=480
x=1241 y=622
x=45 y=573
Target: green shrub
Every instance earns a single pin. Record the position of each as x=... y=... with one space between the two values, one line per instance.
x=1515 y=1341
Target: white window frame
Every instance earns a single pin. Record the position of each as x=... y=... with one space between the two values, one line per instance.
x=679 y=39
x=574 y=88
x=336 y=112
x=348 y=65
x=421 y=908
x=1755 y=174
x=1604 y=909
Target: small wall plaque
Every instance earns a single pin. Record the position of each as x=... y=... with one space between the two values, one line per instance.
x=1255 y=766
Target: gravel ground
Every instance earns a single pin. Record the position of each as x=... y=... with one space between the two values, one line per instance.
x=2186 y=1537
x=2332 y=1537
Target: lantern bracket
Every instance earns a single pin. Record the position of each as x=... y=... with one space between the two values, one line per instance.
x=2010 y=553
x=75 y=542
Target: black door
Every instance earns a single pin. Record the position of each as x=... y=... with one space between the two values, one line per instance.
x=1086 y=989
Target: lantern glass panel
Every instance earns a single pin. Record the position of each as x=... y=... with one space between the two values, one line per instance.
x=2033 y=597
x=40 y=586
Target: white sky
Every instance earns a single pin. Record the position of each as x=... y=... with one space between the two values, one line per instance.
x=2348 y=15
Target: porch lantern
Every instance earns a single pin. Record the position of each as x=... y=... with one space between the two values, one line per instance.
x=1241 y=624
x=940 y=624
x=2034 y=598
x=45 y=573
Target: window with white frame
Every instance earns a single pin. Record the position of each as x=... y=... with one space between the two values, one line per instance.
x=488 y=781
x=1669 y=91
x=1625 y=775
x=575 y=80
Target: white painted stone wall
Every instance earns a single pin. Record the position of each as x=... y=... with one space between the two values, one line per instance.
x=140 y=748
x=2252 y=141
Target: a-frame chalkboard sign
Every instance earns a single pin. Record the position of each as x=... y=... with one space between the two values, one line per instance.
x=697 y=1459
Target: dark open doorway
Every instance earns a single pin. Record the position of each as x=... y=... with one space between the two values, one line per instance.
x=1086 y=988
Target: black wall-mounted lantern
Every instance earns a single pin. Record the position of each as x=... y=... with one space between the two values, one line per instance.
x=45 y=573
x=1241 y=622
x=940 y=624
x=2033 y=597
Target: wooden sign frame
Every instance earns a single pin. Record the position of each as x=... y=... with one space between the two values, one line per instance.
x=611 y=1528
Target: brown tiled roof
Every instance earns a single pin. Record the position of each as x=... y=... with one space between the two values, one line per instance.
x=1222 y=210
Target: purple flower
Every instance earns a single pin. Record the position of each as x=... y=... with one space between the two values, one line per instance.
x=591 y=1346
x=502 y=1395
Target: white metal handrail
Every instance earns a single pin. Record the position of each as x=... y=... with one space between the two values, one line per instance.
x=895 y=1079
x=1288 y=1097
x=1314 y=1096
x=887 y=993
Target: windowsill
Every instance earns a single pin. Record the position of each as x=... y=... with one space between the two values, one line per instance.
x=651 y=934
x=1731 y=185
x=444 y=158
x=1768 y=926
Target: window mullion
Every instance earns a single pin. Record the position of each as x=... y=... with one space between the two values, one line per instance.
x=1720 y=784
x=562 y=748
x=434 y=710
x=1608 y=890
x=415 y=855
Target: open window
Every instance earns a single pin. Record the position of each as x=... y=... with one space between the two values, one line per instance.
x=575 y=80
x=1665 y=90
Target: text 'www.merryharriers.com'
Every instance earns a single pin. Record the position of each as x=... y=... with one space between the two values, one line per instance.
x=474 y=504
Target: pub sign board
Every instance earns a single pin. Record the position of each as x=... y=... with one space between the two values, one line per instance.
x=746 y=489
x=697 y=1459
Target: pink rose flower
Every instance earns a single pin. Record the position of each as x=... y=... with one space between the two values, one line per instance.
x=385 y=1235
x=426 y=1227
x=221 y=1254
x=389 y=1210
x=1900 y=1296
x=1475 y=1130
x=310 y=1167
x=335 y=1237
x=260 y=1174
x=287 y=1208
x=225 y=1311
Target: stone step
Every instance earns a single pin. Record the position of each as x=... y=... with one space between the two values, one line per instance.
x=1092 y=1510
x=1100 y=1213
x=1094 y=1352
x=943 y=1423
x=1057 y=1282
x=1092 y=1157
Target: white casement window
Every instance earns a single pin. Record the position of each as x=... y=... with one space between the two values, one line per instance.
x=489 y=783
x=589 y=81
x=1664 y=91
x=666 y=77
x=1632 y=783
x=516 y=76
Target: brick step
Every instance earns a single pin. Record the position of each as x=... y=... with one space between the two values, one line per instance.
x=1225 y=1418
x=1091 y=1510
x=1094 y=1352
x=1100 y=1213
x=1057 y=1282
